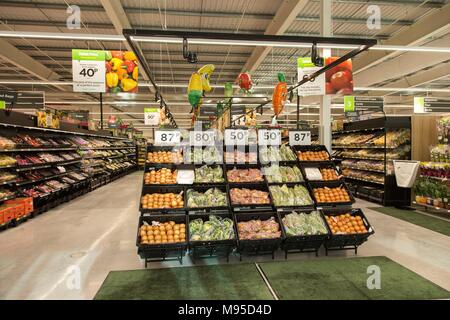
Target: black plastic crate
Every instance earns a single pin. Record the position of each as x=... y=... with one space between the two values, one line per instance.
x=294 y=207
x=163 y=251
x=244 y=149
x=311 y=148
x=163 y=189
x=330 y=184
x=229 y=167
x=347 y=241
x=251 y=207
x=281 y=162
x=304 y=243
x=209 y=209
x=257 y=246
x=212 y=248
x=211 y=183
x=319 y=165
x=190 y=149
x=295 y=164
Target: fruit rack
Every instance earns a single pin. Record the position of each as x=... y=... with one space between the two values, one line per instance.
x=47 y=164
x=269 y=184
x=365 y=151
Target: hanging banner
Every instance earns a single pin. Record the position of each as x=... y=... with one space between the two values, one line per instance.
x=88 y=70
x=427 y=104
x=122 y=72
x=305 y=67
x=151 y=116
x=339 y=79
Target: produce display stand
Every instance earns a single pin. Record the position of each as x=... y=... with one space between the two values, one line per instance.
x=305 y=243
x=212 y=248
x=209 y=209
x=347 y=241
x=167 y=251
x=387 y=192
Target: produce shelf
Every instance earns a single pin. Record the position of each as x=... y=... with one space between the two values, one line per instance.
x=435 y=178
x=347 y=241
x=37 y=150
x=8 y=182
x=212 y=248
x=257 y=246
x=252 y=207
x=304 y=243
x=365 y=180
x=330 y=184
x=8 y=167
x=8 y=198
x=431 y=207
x=163 y=251
x=19 y=184
x=361 y=169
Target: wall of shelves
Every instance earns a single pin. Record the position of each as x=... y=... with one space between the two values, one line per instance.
x=365 y=151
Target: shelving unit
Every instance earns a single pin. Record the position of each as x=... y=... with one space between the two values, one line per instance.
x=384 y=190
x=51 y=183
x=155 y=252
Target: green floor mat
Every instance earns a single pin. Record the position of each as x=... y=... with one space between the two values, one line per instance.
x=346 y=278
x=222 y=282
x=417 y=218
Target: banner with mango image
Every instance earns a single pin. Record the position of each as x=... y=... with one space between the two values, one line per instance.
x=122 y=72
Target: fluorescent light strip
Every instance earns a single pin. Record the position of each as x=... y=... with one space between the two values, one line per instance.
x=412 y=89
x=108 y=37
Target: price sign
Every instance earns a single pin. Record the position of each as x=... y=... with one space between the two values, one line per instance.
x=88 y=70
x=269 y=137
x=167 y=137
x=151 y=116
x=202 y=138
x=236 y=137
x=299 y=138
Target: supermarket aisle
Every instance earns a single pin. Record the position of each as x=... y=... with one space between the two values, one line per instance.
x=96 y=233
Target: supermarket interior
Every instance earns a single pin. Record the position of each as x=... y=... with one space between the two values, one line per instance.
x=224 y=150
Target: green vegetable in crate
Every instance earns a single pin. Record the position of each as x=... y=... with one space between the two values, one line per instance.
x=274 y=154
x=207 y=174
x=279 y=174
x=207 y=155
x=290 y=196
x=211 y=198
x=214 y=229
x=303 y=224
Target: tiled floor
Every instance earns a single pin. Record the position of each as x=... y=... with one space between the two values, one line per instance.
x=96 y=233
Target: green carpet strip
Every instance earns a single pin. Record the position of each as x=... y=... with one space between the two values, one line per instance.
x=346 y=279
x=217 y=282
x=417 y=218
x=327 y=278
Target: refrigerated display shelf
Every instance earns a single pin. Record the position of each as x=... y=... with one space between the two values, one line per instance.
x=365 y=180
x=37 y=150
x=362 y=169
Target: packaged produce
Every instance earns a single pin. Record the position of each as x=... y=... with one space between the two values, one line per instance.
x=215 y=229
x=244 y=175
x=162 y=233
x=6 y=143
x=313 y=155
x=6 y=176
x=329 y=174
x=275 y=154
x=240 y=157
x=327 y=194
x=211 y=198
x=161 y=176
x=206 y=174
x=257 y=229
x=282 y=174
x=162 y=201
x=4 y=193
x=346 y=224
x=313 y=174
x=165 y=157
x=185 y=177
x=290 y=196
x=303 y=224
x=363 y=175
x=7 y=161
x=249 y=197
x=207 y=155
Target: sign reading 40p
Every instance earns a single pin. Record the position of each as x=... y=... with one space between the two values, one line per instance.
x=88 y=70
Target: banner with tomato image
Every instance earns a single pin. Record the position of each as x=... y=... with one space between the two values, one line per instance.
x=122 y=72
x=339 y=79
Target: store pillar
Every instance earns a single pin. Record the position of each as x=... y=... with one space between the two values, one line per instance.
x=326 y=30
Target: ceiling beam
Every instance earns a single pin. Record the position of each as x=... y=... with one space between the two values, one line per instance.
x=23 y=61
x=424 y=28
x=417 y=79
x=286 y=14
x=403 y=64
x=396 y=3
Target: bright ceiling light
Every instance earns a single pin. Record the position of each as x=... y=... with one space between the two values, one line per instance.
x=412 y=89
x=61 y=35
x=411 y=48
